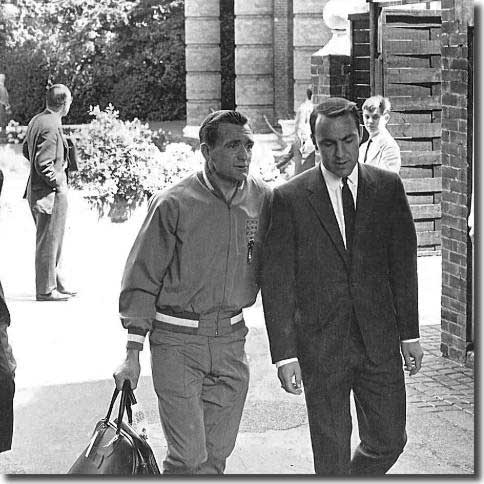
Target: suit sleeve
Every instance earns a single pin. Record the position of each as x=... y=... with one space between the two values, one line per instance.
x=278 y=281
x=25 y=149
x=45 y=156
x=145 y=268
x=403 y=265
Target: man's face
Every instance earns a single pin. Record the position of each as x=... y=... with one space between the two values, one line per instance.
x=231 y=156
x=67 y=105
x=374 y=121
x=338 y=142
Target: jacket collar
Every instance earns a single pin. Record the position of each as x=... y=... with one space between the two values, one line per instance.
x=320 y=201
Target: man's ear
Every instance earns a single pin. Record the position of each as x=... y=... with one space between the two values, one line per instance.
x=386 y=117
x=204 y=148
x=314 y=142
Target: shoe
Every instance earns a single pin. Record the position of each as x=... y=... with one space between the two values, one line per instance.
x=55 y=295
x=68 y=292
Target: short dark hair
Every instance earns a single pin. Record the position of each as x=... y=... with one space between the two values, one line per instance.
x=309 y=93
x=208 y=133
x=56 y=96
x=333 y=107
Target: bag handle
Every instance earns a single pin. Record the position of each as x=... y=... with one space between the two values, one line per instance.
x=127 y=399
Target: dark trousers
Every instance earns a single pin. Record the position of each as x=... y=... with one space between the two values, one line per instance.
x=7 y=384
x=48 y=248
x=379 y=394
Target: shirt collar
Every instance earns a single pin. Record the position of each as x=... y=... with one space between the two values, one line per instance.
x=333 y=181
x=379 y=135
x=54 y=112
x=209 y=183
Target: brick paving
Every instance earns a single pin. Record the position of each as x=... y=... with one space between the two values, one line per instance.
x=441 y=385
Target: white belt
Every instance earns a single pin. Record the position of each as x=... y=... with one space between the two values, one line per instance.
x=190 y=323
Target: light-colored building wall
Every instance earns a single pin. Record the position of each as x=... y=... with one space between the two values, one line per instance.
x=202 y=58
x=310 y=34
x=254 y=82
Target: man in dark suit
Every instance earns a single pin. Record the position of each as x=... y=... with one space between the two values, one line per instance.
x=340 y=298
x=7 y=372
x=47 y=149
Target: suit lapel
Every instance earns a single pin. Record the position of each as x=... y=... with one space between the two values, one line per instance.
x=319 y=198
x=364 y=201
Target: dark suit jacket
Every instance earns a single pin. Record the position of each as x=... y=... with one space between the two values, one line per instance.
x=46 y=148
x=310 y=287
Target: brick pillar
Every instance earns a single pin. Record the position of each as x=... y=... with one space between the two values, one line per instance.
x=456 y=177
x=254 y=58
x=283 y=60
x=330 y=76
x=202 y=39
x=310 y=34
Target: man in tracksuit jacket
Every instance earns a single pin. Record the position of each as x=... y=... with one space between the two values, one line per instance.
x=193 y=267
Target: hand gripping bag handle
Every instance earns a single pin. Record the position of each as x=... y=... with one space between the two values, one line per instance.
x=127 y=399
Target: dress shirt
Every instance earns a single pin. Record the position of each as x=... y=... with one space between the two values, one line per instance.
x=335 y=185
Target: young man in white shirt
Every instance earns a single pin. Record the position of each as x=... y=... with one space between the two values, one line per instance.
x=380 y=149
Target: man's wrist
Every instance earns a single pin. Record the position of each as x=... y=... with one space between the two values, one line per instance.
x=285 y=362
x=132 y=353
x=413 y=340
x=135 y=341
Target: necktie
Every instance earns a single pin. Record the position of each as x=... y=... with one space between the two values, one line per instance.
x=367 y=148
x=349 y=213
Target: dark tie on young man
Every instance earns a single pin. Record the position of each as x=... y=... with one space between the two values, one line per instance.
x=366 y=151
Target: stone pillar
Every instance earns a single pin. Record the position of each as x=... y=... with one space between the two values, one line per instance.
x=310 y=33
x=283 y=60
x=254 y=82
x=202 y=52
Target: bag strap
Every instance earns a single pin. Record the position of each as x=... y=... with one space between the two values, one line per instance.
x=127 y=399
x=111 y=405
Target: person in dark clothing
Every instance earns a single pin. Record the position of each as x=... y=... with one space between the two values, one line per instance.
x=7 y=372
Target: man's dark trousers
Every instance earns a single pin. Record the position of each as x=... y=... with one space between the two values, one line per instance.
x=379 y=393
x=48 y=250
x=7 y=382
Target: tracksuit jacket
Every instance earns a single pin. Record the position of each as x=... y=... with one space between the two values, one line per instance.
x=196 y=260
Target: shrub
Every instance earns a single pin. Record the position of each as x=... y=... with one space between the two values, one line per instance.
x=120 y=165
x=113 y=158
x=168 y=167
x=15 y=132
x=264 y=166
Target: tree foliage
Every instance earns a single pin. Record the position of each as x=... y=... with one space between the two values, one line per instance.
x=128 y=52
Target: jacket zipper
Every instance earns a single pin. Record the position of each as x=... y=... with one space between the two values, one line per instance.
x=226 y=266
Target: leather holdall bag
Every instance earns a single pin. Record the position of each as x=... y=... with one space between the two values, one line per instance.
x=115 y=447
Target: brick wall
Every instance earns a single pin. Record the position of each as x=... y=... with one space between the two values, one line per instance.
x=456 y=177
x=330 y=76
x=283 y=60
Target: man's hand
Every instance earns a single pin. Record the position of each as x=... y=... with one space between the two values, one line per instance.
x=412 y=354
x=290 y=377
x=128 y=370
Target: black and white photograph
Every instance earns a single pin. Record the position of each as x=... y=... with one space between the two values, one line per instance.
x=237 y=237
